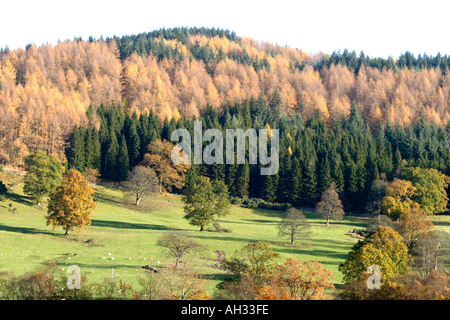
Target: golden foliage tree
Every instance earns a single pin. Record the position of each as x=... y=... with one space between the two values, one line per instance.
x=384 y=248
x=297 y=280
x=397 y=200
x=158 y=158
x=71 y=205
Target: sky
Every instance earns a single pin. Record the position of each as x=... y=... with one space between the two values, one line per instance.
x=379 y=28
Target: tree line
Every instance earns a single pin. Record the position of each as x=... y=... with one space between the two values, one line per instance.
x=353 y=61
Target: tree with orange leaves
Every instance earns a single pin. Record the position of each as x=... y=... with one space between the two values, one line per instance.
x=297 y=280
x=71 y=205
x=412 y=225
x=159 y=159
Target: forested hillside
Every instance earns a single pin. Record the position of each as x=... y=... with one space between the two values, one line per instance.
x=45 y=91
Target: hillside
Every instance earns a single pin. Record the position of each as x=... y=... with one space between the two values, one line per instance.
x=125 y=231
x=46 y=90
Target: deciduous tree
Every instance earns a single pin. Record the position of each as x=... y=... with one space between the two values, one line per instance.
x=71 y=205
x=384 y=248
x=142 y=180
x=255 y=261
x=204 y=201
x=397 y=200
x=179 y=246
x=430 y=188
x=330 y=206
x=158 y=158
x=43 y=175
x=297 y=280
x=294 y=225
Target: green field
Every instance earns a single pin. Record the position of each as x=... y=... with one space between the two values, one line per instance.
x=129 y=234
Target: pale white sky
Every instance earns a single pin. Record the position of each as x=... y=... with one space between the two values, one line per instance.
x=379 y=28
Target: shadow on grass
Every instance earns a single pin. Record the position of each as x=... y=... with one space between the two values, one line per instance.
x=316 y=252
x=25 y=230
x=347 y=221
x=108 y=265
x=216 y=277
x=441 y=223
x=19 y=199
x=208 y=236
x=105 y=198
x=250 y=221
x=128 y=225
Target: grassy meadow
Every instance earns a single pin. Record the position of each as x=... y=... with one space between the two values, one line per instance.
x=123 y=238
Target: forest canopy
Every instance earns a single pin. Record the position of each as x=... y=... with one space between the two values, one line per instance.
x=45 y=91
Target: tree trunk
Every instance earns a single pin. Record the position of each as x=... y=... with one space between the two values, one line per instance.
x=201 y=228
x=328 y=222
x=138 y=199
x=292 y=239
x=67 y=232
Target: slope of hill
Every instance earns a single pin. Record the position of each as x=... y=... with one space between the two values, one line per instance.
x=120 y=231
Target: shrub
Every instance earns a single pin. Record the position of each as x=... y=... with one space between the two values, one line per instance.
x=255 y=203
x=46 y=284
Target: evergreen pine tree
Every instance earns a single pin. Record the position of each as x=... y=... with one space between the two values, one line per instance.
x=285 y=180
x=166 y=132
x=397 y=160
x=123 y=163
x=296 y=188
x=112 y=152
x=338 y=172
x=351 y=180
x=270 y=187
x=89 y=148
x=246 y=115
x=323 y=175
x=230 y=178
x=97 y=150
x=309 y=181
x=134 y=145
x=242 y=180
x=276 y=107
x=76 y=152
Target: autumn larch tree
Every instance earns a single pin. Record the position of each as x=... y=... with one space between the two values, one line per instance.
x=204 y=201
x=294 y=225
x=330 y=206
x=71 y=205
x=43 y=175
x=141 y=181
